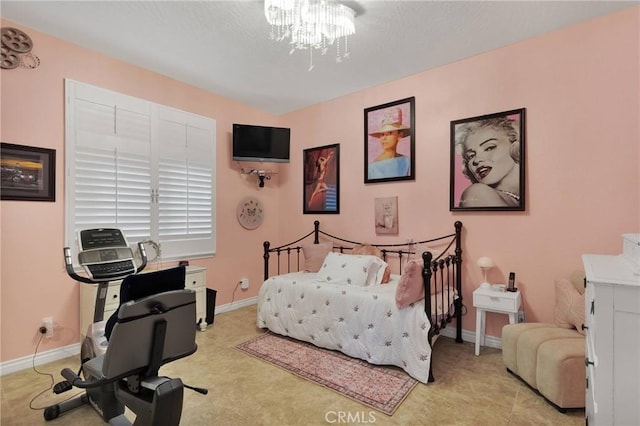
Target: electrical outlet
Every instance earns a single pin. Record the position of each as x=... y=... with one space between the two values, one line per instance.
x=47 y=323
x=520 y=316
x=244 y=283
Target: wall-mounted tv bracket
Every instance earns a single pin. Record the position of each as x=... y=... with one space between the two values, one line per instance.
x=261 y=174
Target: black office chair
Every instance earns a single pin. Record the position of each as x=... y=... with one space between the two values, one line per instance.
x=154 y=325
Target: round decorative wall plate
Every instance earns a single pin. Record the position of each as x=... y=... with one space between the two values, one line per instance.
x=250 y=212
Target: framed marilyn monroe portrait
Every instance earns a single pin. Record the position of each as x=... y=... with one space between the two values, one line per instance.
x=487 y=162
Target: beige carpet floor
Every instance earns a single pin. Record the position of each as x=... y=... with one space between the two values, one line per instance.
x=243 y=390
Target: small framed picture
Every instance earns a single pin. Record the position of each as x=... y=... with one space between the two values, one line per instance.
x=27 y=173
x=321 y=179
x=386 y=214
x=487 y=162
x=389 y=145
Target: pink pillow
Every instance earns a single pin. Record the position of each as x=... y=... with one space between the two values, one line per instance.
x=410 y=287
x=314 y=255
x=569 y=309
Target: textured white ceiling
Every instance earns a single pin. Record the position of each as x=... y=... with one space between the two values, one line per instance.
x=223 y=46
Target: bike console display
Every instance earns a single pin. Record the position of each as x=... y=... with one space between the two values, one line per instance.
x=105 y=254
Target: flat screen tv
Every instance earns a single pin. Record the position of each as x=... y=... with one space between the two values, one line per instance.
x=261 y=143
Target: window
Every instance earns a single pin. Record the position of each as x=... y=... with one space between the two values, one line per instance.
x=142 y=167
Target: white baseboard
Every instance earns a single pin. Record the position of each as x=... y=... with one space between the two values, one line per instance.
x=46 y=357
x=52 y=355
x=236 y=305
x=468 y=336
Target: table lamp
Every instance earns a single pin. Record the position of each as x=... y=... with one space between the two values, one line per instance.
x=485 y=263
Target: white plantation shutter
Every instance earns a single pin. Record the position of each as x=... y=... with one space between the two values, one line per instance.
x=185 y=182
x=141 y=167
x=113 y=189
x=112 y=166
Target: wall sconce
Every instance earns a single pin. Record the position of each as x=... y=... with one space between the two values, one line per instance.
x=485 y=263
x=261 y=174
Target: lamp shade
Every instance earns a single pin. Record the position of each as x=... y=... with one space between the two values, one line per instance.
x=486 y=262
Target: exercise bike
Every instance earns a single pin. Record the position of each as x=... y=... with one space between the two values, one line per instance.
x=105 y=256
x=153 y=325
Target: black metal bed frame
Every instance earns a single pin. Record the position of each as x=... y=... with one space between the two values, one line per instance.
x=437 y=273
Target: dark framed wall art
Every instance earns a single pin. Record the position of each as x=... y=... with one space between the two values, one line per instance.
x=487 y=162
x=389 y=141
x=321 y=191
x=27 y=173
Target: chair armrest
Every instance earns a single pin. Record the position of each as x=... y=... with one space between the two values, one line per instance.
x=75 y=380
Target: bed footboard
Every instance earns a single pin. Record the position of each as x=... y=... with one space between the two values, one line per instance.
x=441 y=276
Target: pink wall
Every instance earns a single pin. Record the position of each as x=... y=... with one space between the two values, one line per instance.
x=34 y=284
x=579 y=85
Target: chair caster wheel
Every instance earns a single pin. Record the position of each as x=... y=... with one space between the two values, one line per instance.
x=51 y=413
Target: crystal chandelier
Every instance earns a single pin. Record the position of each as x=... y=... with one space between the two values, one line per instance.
x=311 y=24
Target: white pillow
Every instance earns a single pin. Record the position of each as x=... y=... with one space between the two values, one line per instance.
x=348 y=269
x=378 y=277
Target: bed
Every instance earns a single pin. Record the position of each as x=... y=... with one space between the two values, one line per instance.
x=365 y=300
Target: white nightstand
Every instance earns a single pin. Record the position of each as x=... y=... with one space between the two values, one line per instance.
x=485 y=299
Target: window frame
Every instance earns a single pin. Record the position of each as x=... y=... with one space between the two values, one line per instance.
x=199 y=152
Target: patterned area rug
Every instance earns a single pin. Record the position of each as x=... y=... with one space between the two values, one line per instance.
x=378 y=387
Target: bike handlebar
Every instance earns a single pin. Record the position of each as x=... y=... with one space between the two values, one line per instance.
x=68 y=263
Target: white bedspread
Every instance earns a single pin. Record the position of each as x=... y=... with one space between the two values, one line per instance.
x=362 y=322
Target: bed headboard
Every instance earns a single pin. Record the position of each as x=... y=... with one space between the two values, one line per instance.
x=292 y=251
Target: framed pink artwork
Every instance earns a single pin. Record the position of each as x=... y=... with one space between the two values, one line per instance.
x=321 y=191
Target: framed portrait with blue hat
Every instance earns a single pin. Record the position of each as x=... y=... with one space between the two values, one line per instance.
x=389 y=141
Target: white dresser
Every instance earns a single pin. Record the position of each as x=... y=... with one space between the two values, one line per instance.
x=195 y=280
x=612 y=326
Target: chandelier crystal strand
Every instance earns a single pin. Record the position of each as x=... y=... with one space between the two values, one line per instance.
x=310 y=24
x=346 y=47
